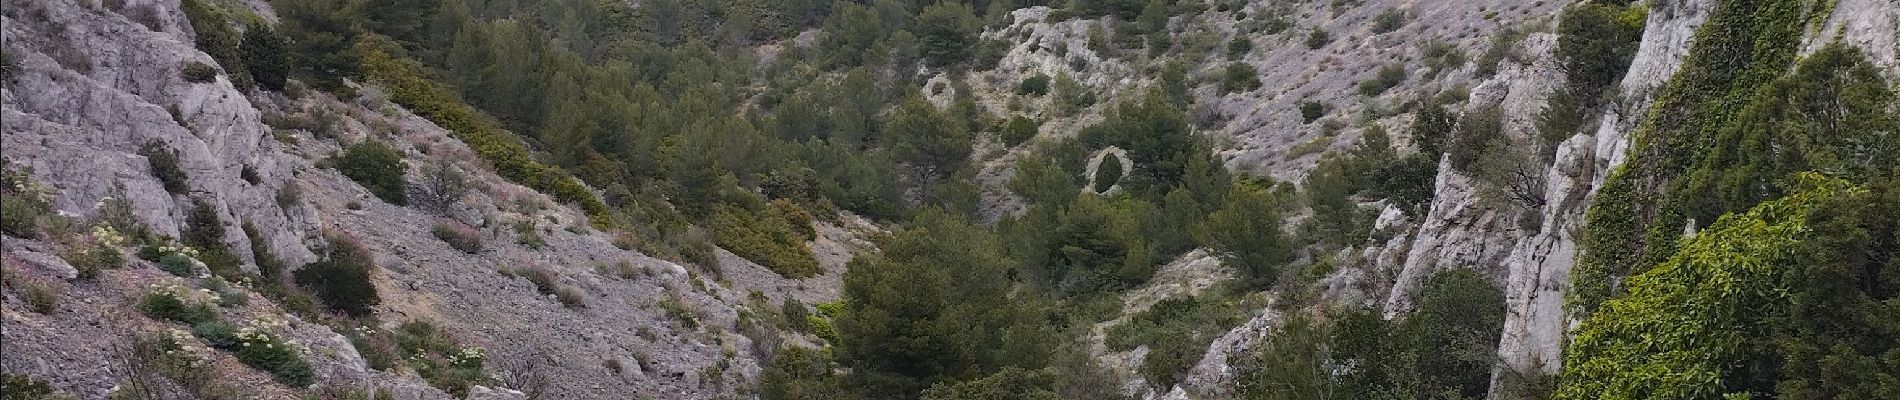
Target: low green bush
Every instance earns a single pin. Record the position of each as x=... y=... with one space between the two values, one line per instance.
x=19 y=216
x=1239 y=77
x=164 y=163
x=174 y=302
x=23 y=387
x=1311 y=111
x=1177 y=331
x=378 y=167
x=1019 y=129
x=1318 y=38
x=1389 y=76
x=217 y=334
x=1037 y=85
x=527 y=234
x=342 y=278
x=680 y=312
x=261 y=347
x=197 y=72
x=768 y=239
x=440 y=358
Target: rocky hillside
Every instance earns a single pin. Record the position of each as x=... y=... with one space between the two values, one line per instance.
x=92 y=89
x=177 y=229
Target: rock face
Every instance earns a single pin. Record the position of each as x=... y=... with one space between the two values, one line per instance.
x=1536 y=323
x=89 y=86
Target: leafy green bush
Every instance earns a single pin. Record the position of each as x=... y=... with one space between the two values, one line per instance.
x=680 y=312
x=1108 y=173
x=458 y=235
x=1595 y=42
x=179 y=264
x=1019 y=129
x=378 y=167
x=437 y=356
x=197 y=72
x=217 y=334
x=264 y=56
x=1037 y=85
x=1239 y=77
x=20 y=215
x=41 y=297
x=1177 y=331
x=769 y=240
x=261 y=347
x=174 y=302
x=1389 y=76
x=216 y=35
x=1245 y=234
x=1390 y=20
x=204 y=231
x=164 y=162
x=342 y=278
x=1318 y=38
x=1239 y=47
x=23 y=387
x=1311 y=111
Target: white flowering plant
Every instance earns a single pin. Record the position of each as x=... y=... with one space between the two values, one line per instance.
x=262 y=345
x=172 y=300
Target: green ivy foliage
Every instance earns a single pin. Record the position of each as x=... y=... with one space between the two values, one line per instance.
x=1782 y=301
x=1642 y=207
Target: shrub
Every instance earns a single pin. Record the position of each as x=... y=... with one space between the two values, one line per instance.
x=459 y=236
x=263 y=51
x=570 y=297
x=204 y=231
x=1019 y=129
x=680 y=312
x=1037 y=85
x=1239 y=77
x=217 y=334
x=378 y=167
x=795 y=315
x=1311 y=111
x=1389 y=76
x=174 y=302
x=342 y=278
x=41 y=297
x=197 y=72
x=542 y=278
x=1239 y=48
x=1391 y=20
x=769 y=240
x=1176 y=331
x=20 y=215
x=527 y=234
x=1317 y=38
x=260 y=347
x=164 y=163
x=289 y=195
x=179 y=264
x=1478 y=133
x=216 y=36
x=1595 y=42
x=1108 y=173
x=439 y=358
x=23 y=387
